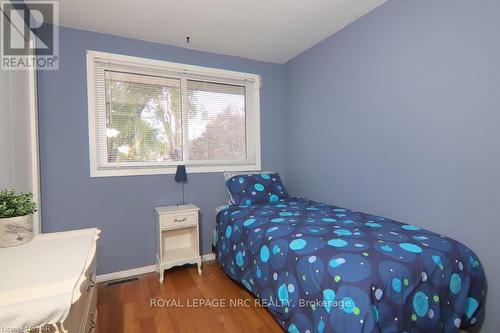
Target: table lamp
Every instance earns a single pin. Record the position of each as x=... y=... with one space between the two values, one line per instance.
x=181 y=177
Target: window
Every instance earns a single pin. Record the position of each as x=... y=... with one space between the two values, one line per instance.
x=148 y=116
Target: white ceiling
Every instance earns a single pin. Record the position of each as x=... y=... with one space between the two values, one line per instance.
x=271 y=30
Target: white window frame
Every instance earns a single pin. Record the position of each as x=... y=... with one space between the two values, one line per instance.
x=164 y=167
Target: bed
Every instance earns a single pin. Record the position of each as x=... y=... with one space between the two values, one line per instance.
x=322 y=268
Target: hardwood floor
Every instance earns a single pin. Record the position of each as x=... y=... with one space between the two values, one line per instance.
x=127 y=307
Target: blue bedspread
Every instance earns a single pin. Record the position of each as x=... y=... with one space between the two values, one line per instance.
x=321 y=268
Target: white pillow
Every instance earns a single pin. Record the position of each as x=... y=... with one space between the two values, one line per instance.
x=218 y=209
x=231 y=174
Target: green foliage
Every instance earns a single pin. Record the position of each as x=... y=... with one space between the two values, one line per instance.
x=146 y=122
x=12 y=204
x=224 y=138
x=148 y=119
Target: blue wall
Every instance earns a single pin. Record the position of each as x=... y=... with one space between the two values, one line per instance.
x=398 y=115
x=123 y=207
x=395 y=115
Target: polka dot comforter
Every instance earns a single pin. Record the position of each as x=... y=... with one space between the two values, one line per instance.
x=321 y=268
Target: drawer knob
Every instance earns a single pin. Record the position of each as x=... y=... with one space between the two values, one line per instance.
x=178 y=219
x=91 y=278
x=91 y=322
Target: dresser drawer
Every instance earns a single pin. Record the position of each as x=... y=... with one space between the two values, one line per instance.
x=89 y=281
x=78 y=320
x=91 y=323
x=77 y=315
x=168 y=221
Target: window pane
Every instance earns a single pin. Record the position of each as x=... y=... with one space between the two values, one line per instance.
x=143 y=118
x=216 y=122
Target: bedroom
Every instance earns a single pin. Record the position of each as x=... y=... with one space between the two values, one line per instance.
x=388 y=108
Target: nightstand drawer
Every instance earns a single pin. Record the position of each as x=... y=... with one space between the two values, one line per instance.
x=176 y=220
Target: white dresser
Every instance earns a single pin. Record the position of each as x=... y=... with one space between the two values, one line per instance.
x=177 y=237
x=51 y=280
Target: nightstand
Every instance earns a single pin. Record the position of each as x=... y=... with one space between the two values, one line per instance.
x=177 y=237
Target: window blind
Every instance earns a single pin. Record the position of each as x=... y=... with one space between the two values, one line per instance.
x=156 y=117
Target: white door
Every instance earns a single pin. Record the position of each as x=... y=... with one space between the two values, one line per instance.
x=19 y=168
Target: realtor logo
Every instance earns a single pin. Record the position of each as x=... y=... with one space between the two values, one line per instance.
x=30 y=35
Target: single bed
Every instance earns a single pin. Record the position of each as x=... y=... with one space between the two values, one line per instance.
x=322 y=268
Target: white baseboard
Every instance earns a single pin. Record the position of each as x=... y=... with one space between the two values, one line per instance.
x=126 y=273
x=140 y=270
x=208 y=257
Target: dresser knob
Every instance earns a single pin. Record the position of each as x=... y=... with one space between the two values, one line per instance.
x=92 y=322
x=91 y=279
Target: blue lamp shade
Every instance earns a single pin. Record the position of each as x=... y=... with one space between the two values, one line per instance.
x=180 y=174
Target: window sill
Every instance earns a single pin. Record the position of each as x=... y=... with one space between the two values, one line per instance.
x=96 y=173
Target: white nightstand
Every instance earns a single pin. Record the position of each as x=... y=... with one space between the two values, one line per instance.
x=177 y=237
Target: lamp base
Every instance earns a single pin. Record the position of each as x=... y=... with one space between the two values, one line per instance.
x=182 y=191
